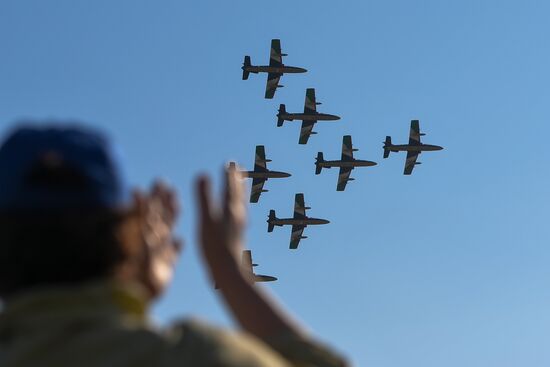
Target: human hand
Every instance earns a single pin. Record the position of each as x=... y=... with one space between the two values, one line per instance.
x=221 y=226
x=158 y=210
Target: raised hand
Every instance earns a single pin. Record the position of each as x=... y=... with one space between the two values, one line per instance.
x=158 y=211
x=221 y=225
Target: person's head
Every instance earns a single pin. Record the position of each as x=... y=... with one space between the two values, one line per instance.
x=66 y=214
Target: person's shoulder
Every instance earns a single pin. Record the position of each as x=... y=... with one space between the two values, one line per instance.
x=201 y=344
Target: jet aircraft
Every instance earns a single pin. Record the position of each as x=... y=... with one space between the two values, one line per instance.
x=346 y=164
x=274 y=70
x=247 y=267
x=309 y=117
x=260 y=174
x=413 y=149
x=298 y=222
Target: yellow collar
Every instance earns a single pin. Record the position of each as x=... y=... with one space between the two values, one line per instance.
x=60 y=305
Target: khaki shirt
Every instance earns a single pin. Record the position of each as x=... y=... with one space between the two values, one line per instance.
x=106 y=325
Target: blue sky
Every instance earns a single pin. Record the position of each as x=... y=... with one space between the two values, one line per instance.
x=446 y=267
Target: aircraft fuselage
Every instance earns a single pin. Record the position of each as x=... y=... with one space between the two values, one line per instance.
x=354 y=163
x=414 y=148
x=274 y=69
x=264 y=278
x=308 y=116
x=267 y=174
x=299 y=221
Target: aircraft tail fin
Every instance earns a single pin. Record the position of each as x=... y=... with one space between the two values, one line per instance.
x=387 y=145
x=319 y=160
x=282 y=110
x=270 y=224
x=246 y=64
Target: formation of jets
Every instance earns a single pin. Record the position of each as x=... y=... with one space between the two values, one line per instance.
x=299 y=221
x=309 y=117
x=413 y=149
x=274 y=70
x=260 y=174
x=346 y=164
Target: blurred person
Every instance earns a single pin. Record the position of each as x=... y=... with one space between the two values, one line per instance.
x=82 y=257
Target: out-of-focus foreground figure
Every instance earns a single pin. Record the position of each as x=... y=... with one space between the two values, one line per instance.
x=82 y=257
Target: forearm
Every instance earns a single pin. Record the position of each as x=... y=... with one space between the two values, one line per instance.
x=221 y=240
x=258 y=314
x=253 y=309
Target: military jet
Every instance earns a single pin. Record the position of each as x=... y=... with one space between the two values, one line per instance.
x=247 y=268
x=413 y=149
x=260 y=174
x=298 y=222
x=274 y=70
x=309 y=117
x=346 y=164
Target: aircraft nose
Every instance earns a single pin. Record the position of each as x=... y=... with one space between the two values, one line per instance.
x=439 y=148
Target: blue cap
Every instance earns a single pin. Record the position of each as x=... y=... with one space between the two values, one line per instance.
x=60 y=167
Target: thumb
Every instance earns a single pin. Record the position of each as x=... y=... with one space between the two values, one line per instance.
x=204 y=200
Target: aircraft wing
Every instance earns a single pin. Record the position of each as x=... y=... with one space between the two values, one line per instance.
x=410 y=162
x=343 y=178
x=259 y=160
x=275 y=57
x=264 y=278
x=256 y=190
x=305 y=131
x=246 y=261
x=414 y=135
x=310 y=104
x=272 y=84
x=347 y=149
x=296 y=236
x=299 y=206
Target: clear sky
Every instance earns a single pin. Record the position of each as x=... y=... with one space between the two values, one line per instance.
x=447 y=267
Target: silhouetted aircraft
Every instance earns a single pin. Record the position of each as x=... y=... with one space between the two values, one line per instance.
x=309 y=117
x=260 y=174
x=298 y=222
x=247 y=267
x=275 y=69
x=346 y=164
x=413 y=149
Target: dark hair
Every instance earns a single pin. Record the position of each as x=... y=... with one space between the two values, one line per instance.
x=61 y=248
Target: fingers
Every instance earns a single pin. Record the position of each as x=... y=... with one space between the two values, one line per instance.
x=228 y=187
x=234 y=208
x=177 y=244
x=139 y=202
x=204 y=199
x=168 y=199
